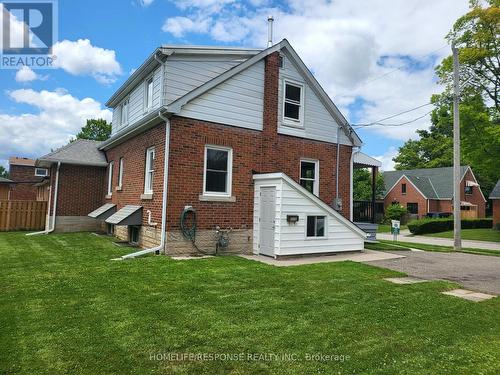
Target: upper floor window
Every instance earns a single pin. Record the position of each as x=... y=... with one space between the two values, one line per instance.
x=120 y=173
x=309 y=175
x=468 y=189
x=403 y=188
x=293 y=103
x=218 y=171
x=110 y=178
x=41 y=172
x=149 y=93
x=124 y=113
x=150 y=161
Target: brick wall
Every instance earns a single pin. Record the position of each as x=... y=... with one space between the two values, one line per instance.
x=476 y=196
x=412 y=196
x=25 y=177
x=496 y=211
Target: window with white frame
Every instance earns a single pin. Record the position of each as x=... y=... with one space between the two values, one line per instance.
x=41 y=172
x=150 y=161
x=124 y=113
x=218 y=171
x=293 y=103
x=110 y=178
x=316 y=226
x=149 y=94
x=120 y=173
x=309 y=175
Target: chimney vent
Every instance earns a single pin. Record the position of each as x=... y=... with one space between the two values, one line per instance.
x=270 y=21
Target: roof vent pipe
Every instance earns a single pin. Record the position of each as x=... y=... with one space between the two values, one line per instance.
x=270 y=21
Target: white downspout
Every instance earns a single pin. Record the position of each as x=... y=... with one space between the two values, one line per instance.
x=51 y=229
x=351 y=210
x=338 y=162
x=163 y=240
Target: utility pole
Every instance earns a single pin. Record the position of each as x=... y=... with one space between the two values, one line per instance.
x=457 y=241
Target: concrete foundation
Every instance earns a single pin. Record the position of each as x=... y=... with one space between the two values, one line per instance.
x=76 y=224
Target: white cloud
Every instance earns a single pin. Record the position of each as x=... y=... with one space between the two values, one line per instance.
x=145 y=3
x=82 y=58
x=58 y=117
x=180 y=26
x=386 y=159
x=344 y=42
x=25 y=74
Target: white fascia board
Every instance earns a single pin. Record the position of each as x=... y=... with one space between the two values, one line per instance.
x=475 y=179
x=407 y=179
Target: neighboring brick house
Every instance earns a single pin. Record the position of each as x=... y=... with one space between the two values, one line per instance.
x=25 y=175
x=246 y=138
x=77 y=184
x=495 y=198
x=430 y=190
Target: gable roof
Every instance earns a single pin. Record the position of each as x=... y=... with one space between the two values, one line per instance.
x=4 y=180
x=79 y=152
x=495 y=193
x=257 y=55
x=14 y=160
x=433 y=183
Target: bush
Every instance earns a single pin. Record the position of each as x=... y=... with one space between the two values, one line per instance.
x=424 y=226
x=395 y=212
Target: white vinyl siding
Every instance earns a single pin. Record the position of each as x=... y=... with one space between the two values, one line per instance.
x=185 y=73
x=318 y=123
x=291 y=239
x=238 y=101
x=149 y=171
x=137 y=102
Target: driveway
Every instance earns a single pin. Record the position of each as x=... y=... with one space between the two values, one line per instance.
x=476 y=272
x=405 y=236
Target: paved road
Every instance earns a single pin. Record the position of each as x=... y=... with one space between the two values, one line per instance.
x=475 y=272
x=406 y=237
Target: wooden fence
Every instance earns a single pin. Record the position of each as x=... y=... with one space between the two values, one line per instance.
x=22 y=215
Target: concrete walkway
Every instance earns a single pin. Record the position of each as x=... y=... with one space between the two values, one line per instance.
x=361 y=256
x=406 y=236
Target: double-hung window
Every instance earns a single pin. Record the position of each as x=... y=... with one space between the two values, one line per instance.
x=150 y=161
x=120 y=173
x=316 y=226
x=110 y=178
x=124 y=112
x=309 y=175
x=218 y=171
x=149 y=94
x=293 y=103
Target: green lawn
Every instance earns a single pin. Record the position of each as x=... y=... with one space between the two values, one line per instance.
x=67 y=308
x=385 y=245
x=483 y=234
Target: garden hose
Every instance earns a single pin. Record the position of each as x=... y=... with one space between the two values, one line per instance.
x=190 y=232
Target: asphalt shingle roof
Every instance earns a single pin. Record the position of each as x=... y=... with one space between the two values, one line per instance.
x=5 y=180
x=495 y=193
x=432 y=182
x=81 y=151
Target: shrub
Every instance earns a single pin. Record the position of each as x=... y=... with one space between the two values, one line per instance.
x=424 y=226
x=394 y=212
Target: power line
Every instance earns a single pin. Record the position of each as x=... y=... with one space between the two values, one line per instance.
x=399 y=124
x=379 y=122
x=391 y=71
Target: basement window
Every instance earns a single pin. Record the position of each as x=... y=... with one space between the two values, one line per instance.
x=218 y=171
x=293 y=103
x=316 y=226
x=309 y=175
x=133 y=235
x=149 y=173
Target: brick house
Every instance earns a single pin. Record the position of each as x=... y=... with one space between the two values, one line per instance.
x=495 y=199
x=245 y=139
x=430 y=190
x=26 y=176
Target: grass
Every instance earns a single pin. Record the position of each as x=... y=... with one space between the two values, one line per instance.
x=482 y=234
x=386 y=228
x=65 y=307
x=439 y=248
x=382 y=246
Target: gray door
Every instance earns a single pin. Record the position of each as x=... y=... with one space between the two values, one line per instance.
x=267 y=217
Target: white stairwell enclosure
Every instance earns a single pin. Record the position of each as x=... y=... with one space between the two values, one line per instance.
x=289 y=220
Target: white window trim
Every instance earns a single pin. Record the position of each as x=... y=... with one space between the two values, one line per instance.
x=316 y=174
x=41 y=169
x=110 y=178
x=149 y=168
x=146 y=93
x=126 y=101
x=289 y=121
x=120 y=173
x=229 y=181
x=325 y=236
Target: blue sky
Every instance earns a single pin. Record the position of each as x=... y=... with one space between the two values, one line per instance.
x=374 y=57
